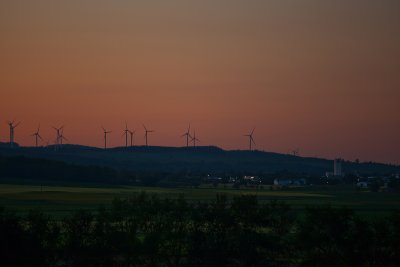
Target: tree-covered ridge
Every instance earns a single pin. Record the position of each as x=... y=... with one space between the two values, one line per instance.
x=195 y=160
x=21 y=168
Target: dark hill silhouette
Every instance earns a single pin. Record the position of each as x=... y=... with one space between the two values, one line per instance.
x=205 y=159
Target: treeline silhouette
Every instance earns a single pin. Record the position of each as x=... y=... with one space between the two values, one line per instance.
x=198 y=160
x=21 y=169
x=145 y=230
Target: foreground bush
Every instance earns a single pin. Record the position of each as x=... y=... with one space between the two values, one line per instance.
x=144 y=230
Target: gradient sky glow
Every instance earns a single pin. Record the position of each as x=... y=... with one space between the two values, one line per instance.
x=321 y=76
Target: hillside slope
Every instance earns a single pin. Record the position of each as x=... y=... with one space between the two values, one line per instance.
x=199 y=159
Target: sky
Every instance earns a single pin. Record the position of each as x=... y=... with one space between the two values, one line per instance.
x=319 y=76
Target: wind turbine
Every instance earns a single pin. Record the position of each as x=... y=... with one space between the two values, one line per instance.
x=187 y=134
x=105 y=136
x=296 y=152
x=131 y=133
x=126 y=131
x=146 y=133
x=12 y=126
x=194 y=139
x=37 y=135
x=62 y=137
x=251 y=139
x=58 y=134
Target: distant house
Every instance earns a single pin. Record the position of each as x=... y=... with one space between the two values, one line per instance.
x=282 y=182
x=288 y=182
x=362 y=184
x=252 y=179
x=329 y=174
x=212 y=179
x=233 y=180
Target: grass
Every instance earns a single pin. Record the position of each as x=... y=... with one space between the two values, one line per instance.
x=61 y=200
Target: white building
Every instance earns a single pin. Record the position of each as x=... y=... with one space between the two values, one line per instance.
x=287 y=182
x=362 y=184
x=337 y=167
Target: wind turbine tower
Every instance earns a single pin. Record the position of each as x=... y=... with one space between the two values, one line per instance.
x=62 y=137
x=37 y=136
x=105 y=137
x=194 y=139
x=146 y=134
x=251 y=139
x=126 y=131
x=131 y=133
x=12 y=126
x=58 y=135
x=187 y=134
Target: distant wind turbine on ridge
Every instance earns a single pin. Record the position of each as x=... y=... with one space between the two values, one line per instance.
x=187 y=134
x=126 y=131
x=194 y=139
x=131 y=133
x=251 y=139
x=105 y=136
x=146 y=133
x=58 y=135
x=37 y=136
x=12 y=126
x=62 y=137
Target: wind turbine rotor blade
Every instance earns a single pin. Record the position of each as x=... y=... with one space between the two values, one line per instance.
x=253 y=131
x=40 y=137
x=253 y=140
x=144 y=127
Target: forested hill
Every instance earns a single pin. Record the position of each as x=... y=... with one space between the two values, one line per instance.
x=211 y=160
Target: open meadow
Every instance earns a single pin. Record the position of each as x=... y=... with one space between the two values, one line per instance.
x=62 y=200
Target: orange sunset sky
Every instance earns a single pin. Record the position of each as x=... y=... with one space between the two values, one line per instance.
x=320 y=76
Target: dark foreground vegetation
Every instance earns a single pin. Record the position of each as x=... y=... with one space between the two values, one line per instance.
x=145 y=230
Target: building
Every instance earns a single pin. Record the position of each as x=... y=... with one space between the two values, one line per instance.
x=363 y=184
x=337 y=167
x=288 y=182
x=252 y=179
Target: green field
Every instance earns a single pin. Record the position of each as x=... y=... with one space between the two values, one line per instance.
x=61 y=200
